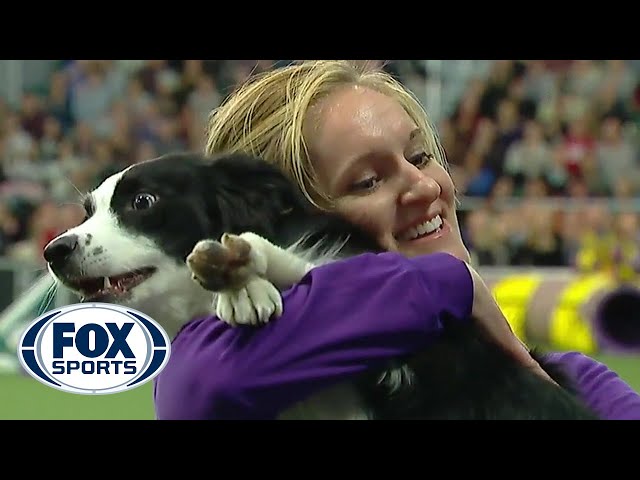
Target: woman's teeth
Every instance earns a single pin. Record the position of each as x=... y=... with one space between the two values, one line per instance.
x=423 y=229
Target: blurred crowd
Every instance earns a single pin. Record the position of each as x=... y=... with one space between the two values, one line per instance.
x=528 y=142
x=550 y=152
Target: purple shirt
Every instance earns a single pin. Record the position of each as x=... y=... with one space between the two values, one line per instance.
x=341 y=319
x=599 y=387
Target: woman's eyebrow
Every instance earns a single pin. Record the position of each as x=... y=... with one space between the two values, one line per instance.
x=350 y=166
x=416 y=139
x=353 y=163
x=416 y=135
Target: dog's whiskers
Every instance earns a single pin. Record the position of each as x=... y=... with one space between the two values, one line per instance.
x=73 y=185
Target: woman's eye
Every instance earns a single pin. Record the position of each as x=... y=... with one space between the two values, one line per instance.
x=421 y=159
x=366 y=184
x=143 y=201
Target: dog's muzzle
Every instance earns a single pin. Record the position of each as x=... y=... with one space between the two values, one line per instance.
x=58 y=252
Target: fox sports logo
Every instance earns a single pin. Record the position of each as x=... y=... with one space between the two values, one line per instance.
x=94 y=348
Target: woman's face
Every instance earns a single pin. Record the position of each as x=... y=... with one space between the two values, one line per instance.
x=373 y=161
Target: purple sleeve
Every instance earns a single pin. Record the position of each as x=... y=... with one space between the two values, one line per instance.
x=600 y=388
x=339 y=320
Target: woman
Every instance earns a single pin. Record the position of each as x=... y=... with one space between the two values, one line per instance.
x=359 y=143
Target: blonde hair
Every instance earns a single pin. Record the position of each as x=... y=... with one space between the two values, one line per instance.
x=265 y=116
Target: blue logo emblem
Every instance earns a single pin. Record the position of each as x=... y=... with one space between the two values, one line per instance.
x=94 y=348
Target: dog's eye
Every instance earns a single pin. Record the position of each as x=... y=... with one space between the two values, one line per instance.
x=142 y=201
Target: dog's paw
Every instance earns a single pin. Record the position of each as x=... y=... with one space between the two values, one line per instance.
x=234 y=269
x=223 y=265
x=254 y=304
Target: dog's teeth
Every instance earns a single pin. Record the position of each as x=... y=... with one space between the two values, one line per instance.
x=107 y=282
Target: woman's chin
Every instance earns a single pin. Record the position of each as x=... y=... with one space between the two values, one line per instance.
x=458 y=251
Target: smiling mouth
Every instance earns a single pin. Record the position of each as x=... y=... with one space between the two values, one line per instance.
x=425 y=229
x=113 y=287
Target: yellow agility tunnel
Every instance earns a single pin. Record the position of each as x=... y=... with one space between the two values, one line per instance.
x=569 y=311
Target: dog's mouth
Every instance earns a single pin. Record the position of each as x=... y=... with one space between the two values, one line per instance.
x=113 y=287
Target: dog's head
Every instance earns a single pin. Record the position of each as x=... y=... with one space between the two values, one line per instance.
x=142 y=222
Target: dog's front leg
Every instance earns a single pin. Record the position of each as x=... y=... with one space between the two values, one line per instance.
x=245 y=271
x=281 y=267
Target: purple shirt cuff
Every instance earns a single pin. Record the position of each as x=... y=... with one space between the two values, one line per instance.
x=599 y=387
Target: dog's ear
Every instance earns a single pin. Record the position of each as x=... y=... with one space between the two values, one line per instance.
x=245 y=192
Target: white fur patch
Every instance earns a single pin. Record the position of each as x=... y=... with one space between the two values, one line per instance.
x=396 y=378
x=317 y=254
x=254 y=304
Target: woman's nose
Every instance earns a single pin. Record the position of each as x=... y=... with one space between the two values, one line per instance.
x=422 y=188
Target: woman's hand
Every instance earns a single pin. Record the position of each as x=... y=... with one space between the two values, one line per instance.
x=486 y=311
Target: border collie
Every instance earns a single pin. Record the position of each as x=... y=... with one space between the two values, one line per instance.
x=184 y=235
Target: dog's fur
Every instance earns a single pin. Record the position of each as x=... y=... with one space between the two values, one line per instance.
x=276 y=238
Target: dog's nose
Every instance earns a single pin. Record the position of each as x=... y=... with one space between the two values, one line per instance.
x=60 y=249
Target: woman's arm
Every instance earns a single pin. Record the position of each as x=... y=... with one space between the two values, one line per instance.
x=339 y=320
x=600 y=388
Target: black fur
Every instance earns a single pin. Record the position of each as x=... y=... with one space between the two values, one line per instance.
x=464 y=377
x=204 y=198
x=460 y=376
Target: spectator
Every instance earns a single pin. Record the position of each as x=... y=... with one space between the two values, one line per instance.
x=481 y=237
x=615 y=156
x=204 y=98
x=577 y=145
x=626 y=247
x=32 y=115
x=543 y=246
x=529 y=157
x=51 y=136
